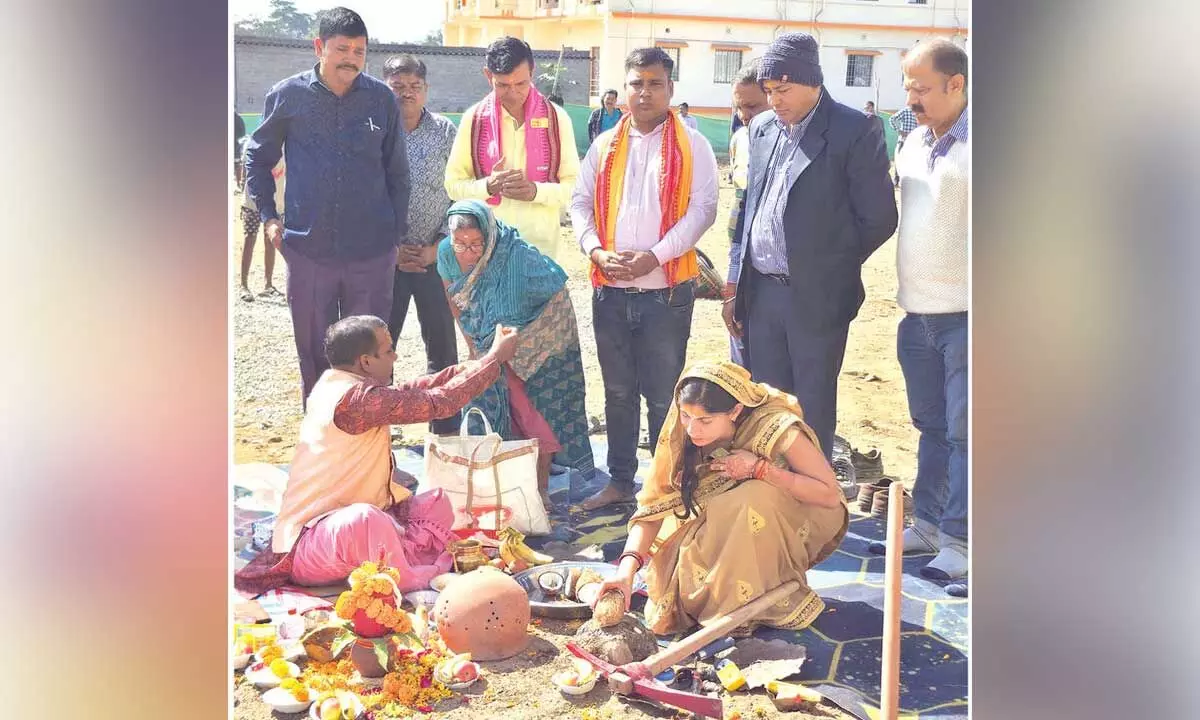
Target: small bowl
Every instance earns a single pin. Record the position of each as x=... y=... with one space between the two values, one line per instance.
x=264 y=678
x=416 y=598
x=583 y=689
x=291 y=651
x=314 y=711
x=283 y=701
x=463 y=685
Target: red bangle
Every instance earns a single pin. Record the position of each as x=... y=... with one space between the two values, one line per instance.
x=641 y=559
x=760 y=469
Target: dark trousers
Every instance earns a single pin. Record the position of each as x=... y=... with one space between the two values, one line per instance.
x=319 y=292
x=641 y=341
x=437 y=327
x=793 y=358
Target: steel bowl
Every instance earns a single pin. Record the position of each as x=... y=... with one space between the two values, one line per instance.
x=559 y=608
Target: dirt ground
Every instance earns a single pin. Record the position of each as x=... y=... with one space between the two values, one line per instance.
x=520 y=687
x=266 y=414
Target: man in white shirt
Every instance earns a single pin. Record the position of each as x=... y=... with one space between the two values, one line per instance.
x=638 y=220
x=931 y=257
x=685 y=117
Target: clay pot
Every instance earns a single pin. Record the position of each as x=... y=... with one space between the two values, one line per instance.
x=485 y=613
x=366 y=661
x=368 y=628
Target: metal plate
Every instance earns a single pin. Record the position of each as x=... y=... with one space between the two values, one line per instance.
x=559 y=609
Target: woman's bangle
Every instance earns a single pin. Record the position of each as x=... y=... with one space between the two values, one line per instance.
x=760 y=469
x=641 y=558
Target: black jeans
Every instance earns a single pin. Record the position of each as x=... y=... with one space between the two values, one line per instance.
x=437 y=326
x=641 y=341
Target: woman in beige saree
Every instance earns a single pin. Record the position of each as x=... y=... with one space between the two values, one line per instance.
x=740 y=499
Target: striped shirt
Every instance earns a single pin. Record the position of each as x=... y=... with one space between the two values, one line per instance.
x=958 y=132
x=768 y=245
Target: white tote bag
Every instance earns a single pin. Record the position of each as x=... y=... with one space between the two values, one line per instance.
x=491 y=483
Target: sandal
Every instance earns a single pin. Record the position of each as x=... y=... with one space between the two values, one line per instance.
x=269 y=292
x=246 y=295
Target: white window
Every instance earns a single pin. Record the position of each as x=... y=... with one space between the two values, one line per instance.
x=726 y=64
x=673 y=52
x=858 y=70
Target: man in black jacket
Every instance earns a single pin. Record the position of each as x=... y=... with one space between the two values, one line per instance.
x=819 y=201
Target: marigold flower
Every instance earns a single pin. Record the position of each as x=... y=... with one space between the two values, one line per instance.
x=279 y=668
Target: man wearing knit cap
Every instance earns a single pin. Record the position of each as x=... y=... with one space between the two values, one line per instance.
x=931 y=263
x=819 y=201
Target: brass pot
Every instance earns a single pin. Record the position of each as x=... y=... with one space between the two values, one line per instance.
x=468 y=555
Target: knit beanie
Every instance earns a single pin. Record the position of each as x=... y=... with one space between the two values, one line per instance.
x=792 y=57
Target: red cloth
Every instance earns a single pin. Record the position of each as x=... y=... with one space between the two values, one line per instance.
x=526 y=421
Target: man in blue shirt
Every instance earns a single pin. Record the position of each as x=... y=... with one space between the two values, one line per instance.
x=347 y=192
x=604 y=117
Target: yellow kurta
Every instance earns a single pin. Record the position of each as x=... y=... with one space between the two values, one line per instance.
x=538 y=221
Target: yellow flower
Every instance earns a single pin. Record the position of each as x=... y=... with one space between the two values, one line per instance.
x=374 y=608
x=280 y=668
x=271 y=652
x=403 y=623
x=369 y=568
x=301 y=694
x=363 y=601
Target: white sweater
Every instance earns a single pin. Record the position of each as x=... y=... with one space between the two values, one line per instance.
x=931 y=252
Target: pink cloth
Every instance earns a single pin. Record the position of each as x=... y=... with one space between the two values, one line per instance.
x=527 y=422
x=346 y=538
x=538 y=154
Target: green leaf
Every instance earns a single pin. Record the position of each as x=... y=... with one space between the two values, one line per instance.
x=381 y=651
x=340 y=643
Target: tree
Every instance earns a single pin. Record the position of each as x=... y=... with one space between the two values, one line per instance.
x=551 y=77
x=433 y=38
x=284 y=20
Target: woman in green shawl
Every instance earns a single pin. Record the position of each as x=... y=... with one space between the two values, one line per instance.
x=494 y=277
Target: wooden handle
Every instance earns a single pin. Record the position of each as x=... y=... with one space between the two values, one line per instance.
x=676 y=651
x=889 y=678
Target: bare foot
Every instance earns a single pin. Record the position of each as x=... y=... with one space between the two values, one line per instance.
x=610 y=495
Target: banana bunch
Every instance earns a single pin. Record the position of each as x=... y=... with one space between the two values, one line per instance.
x=515 y=555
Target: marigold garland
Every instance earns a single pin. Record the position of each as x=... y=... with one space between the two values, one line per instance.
x=370 y=584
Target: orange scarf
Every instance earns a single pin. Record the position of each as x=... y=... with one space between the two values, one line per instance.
x=674 y=189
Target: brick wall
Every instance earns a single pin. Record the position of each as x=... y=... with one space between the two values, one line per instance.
x=455 y=73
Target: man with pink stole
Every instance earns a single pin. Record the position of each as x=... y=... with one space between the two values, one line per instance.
x=342 y=505
x=516 y=150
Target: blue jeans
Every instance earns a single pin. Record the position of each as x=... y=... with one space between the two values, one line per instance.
x=933 y=355
x=641 y=342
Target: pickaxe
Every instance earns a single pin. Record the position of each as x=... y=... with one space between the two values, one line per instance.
x=637 y=678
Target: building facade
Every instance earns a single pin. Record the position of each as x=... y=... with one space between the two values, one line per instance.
x=862 y=41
